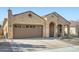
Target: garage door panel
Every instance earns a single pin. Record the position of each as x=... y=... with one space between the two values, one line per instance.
x=19 y=32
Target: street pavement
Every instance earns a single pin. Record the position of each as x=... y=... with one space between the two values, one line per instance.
x=5 y=46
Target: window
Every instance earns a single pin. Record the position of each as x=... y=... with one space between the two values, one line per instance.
x=27 y=26
x=30 y=26
x=15 y=25
x=33 y=26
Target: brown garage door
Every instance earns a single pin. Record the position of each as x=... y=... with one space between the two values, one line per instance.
x=27 y=31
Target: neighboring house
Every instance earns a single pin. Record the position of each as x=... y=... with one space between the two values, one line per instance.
x=74 y=28
x=29 y=25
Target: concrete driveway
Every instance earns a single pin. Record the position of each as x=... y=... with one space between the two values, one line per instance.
x=25 y=45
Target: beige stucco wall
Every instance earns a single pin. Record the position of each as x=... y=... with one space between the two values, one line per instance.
x=25 y=19
x=62 y=21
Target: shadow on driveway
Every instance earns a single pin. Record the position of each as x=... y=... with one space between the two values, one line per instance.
x=29 y=45
x=26 y=47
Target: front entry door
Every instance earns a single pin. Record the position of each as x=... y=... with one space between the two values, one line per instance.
x=51 y=27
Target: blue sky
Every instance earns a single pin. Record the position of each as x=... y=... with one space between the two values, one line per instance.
x=69 y=13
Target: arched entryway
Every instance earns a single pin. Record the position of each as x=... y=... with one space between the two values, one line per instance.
x=51 y=29
x=59 y=30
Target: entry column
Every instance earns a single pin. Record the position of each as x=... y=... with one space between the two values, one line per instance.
x=47 y=29
x=62 y=31
x=68 y=30
x=55 y=30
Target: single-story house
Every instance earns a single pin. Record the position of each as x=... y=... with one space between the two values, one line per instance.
x=29 y=24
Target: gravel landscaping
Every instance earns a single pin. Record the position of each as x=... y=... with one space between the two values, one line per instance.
x=74 y=41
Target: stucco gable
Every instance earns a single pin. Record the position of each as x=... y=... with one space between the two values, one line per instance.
x=28 y=17
x=60 y=18
x=28 y=12
x=48 y=15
